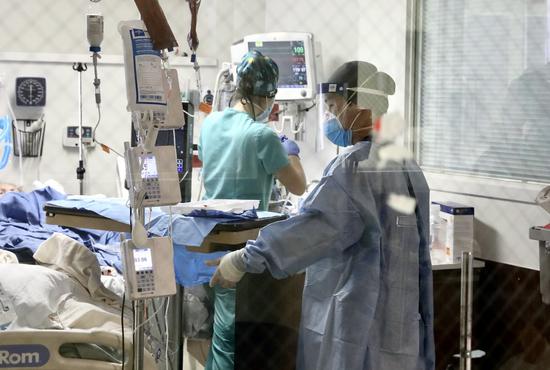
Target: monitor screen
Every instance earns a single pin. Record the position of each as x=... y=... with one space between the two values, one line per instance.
x=142 y=259
x=290 y=58
x=149 y=167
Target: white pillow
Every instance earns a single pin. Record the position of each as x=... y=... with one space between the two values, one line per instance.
x=35 y=292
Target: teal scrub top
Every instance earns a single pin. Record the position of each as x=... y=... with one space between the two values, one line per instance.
x=239 y=157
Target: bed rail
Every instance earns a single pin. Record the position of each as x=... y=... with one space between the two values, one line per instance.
x=28 y=349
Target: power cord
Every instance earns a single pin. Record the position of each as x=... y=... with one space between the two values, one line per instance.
x=308 y=108
x=149 y=318
x=299 y=129
x=167 y=330
x=184 y=176
x=122 y=326
x=123 y=306
x=170 y=231
x=98 y=121
x=201 y=183
x=105 y=147
x=189 y=114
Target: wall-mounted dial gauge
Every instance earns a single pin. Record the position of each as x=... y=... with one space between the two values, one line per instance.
x=30 y=91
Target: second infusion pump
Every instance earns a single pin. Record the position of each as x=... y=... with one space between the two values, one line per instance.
x=149 y=268
x=153 y=176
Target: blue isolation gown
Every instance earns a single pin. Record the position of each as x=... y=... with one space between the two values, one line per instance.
x=368 y=300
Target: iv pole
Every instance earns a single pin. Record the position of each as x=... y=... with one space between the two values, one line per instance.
x=80 y=170
x=162 y=38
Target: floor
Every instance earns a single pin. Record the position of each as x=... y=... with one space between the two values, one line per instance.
x=189 y=362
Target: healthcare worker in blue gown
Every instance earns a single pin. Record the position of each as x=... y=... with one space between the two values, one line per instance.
x=367 y=300
x=241 y=156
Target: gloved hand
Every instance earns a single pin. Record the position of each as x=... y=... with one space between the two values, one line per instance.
x=230 y=271
x=290 y=146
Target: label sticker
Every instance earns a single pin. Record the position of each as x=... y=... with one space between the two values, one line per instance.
x=23 y=355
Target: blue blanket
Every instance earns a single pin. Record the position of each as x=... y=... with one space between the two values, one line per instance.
x=23 y=227
x=190 y=267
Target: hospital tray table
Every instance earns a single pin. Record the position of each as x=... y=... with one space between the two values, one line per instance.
x=83 y=219
x=456 y=266
x=234 y=234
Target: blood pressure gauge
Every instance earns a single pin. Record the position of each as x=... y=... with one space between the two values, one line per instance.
x=30 y=91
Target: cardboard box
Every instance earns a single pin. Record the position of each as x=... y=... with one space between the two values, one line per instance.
x=460 y=229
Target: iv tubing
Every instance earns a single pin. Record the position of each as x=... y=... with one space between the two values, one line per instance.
x=10 y=108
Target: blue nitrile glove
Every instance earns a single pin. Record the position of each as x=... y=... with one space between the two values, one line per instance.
x=290 y=146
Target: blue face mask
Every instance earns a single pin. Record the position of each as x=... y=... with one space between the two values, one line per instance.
x=336 y=133
x=262 y=117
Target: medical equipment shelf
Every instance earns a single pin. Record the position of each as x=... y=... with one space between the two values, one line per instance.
x=541 y=234
x=456 y=266
x=239 y=230
x=82 y=219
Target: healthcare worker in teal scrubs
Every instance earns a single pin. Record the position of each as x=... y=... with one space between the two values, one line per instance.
x=241 y=156
x=362 y=235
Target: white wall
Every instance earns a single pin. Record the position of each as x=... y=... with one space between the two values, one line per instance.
x=382 y=42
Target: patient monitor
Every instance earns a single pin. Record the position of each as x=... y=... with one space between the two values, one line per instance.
x=294 y=55
x=153 y=176
x=149 y=268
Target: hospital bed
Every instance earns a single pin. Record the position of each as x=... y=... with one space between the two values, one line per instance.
x=74 y=343
x=57 y=324
x=254 y=321
x=213 y=238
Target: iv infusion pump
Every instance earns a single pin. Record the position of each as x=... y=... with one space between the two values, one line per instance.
x=149 y=268
x=153 y=176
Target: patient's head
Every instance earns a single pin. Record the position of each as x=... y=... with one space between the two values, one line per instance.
x=7 y=187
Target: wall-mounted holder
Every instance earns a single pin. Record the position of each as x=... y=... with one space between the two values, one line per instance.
x=31 y=135
x=542 y=234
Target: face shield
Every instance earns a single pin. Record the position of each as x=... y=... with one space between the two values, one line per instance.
x=341 y=119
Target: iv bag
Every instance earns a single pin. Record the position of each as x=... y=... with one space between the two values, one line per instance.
x=146 y=85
